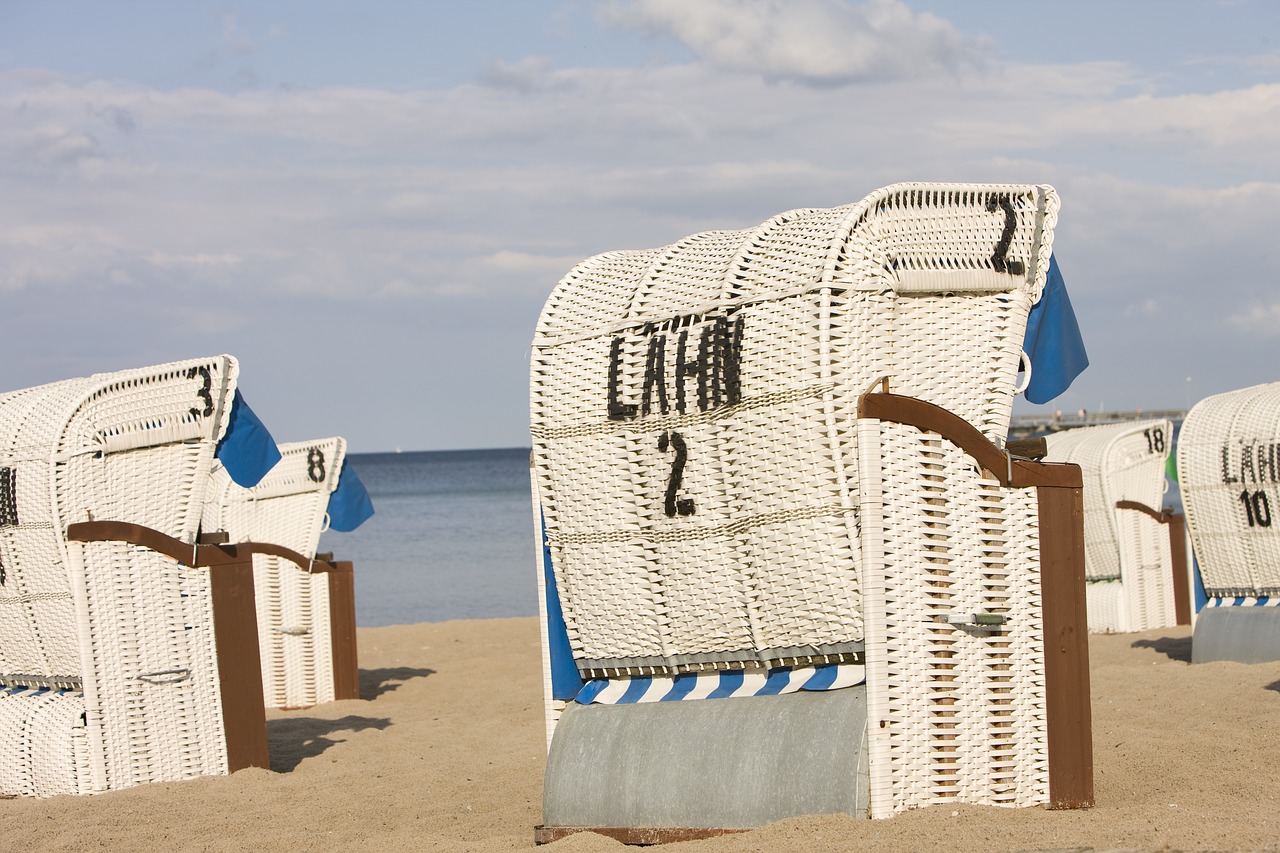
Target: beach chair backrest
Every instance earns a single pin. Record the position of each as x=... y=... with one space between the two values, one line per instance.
x=694 y=413
x=1228 y=457
x=128 y=627
x=288 y=508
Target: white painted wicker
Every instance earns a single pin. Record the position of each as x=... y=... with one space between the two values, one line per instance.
x=954 y=635
x=1227 y=470
x=288 y=507
x=1127 y=555
x=696 y=450
x=116 y=640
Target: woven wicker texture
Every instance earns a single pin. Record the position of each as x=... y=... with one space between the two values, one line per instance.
x=287 y=507
x=128 y=627
x=961 y=702
x=694 y=413
x=1127 y=557
x=43 y=747
x=1227 y=469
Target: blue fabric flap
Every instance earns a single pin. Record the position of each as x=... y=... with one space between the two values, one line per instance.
x=565 y=679
x=1053 y=341
x=349 y=505
x=247 y=451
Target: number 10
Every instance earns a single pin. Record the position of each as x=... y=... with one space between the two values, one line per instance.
x=1256 y=508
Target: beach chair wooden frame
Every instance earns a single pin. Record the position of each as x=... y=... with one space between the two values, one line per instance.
x=118 y=641
x=698 y=453
x=1230 y=481
x=305 y=600
x=1135 y=581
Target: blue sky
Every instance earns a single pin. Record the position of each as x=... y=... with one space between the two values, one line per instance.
x=367 y=203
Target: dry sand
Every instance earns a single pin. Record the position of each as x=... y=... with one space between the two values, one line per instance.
x=446 y=750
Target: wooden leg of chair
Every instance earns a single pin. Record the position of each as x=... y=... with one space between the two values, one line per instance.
x=1181 y=573
x=235 y=626
x=342 y=627
x=1066 y=652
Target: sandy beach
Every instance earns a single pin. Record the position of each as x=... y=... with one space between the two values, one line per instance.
x=445 y=752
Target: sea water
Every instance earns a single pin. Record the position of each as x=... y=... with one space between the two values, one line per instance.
x=451 y=537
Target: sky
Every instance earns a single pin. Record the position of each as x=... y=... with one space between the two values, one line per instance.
x=367 y=203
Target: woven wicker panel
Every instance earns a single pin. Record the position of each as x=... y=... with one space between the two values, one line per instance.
x=1228 y=453
x=129 y=626
x=956 y=708
x=43 y=751
x=1123 y=462
x=1107 y=606
x=1087 y=447
x=1135 y=463
x=693 y=412
x=287 y=507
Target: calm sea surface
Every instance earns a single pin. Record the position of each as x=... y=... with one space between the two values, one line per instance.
x=451 y=537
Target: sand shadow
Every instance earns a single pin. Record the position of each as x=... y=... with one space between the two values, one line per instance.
x=293 y=739
x=1174 y=648
x=1275 y=685
x=375 y=682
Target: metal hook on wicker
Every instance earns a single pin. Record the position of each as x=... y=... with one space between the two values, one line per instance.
x=165 y=676
x=1024 y=367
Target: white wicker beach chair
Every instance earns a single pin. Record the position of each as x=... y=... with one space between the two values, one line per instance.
x=110 y=666
x=1128 y=559
x=305 y=605
x=1227 y=455
x=702 y=477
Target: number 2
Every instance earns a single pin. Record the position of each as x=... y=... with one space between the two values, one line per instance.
x=675 y=506
x=1000 y=258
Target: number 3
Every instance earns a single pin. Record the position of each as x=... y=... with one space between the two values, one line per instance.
x=204 y=393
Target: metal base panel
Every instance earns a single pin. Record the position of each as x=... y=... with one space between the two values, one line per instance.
x=708 y=764
x=1240 y=634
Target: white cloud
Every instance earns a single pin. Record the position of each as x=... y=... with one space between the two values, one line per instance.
x=1258 y=320
x=809 y=41
x=527 y=75
x=166 y=261
x=531 y=265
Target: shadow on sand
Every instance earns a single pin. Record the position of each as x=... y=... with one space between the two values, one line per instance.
x=375 y=682
x=1174 y=648
x=292 y=740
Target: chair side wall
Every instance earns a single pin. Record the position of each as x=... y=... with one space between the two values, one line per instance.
x=287 y=508
x=1127 y=554
x=956 y=708
x=1135 y=466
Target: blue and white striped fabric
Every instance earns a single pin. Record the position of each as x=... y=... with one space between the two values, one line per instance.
x=1244 y=601
x=719 y=685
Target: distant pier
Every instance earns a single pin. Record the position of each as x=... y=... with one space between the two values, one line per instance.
x=1026 y=426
